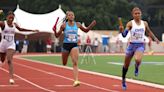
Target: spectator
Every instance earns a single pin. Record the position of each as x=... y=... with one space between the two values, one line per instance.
x=119 y=44
x=95 y=45
x=17 y=43
x=49 y=43
x=25 y=46
x=88 y=41
x=88 y=47
x=105 y=43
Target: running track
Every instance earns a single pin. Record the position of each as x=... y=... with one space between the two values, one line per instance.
x=40 y=77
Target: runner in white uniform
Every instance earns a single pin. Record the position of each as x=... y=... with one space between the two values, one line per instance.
x=7 y=38
x=137 y=28
x=7 y=44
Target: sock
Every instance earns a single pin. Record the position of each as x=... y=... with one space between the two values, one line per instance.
x=124 y=71
x=137 y=65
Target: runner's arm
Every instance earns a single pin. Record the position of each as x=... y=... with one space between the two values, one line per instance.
x=57 y=34
x=23 y=29
x=126 y=30
x=150 y=33
x=2 y=25
x=87 y=28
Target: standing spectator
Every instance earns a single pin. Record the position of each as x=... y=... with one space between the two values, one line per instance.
x=105 y=43
x=88 y=41
x=119 y=44
x=17 y=43
x=88 y=44
x=25 y=46
x=39 y=45
x=95 y=45
x=49 y=43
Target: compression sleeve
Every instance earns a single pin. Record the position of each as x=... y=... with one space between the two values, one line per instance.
x=124 y=34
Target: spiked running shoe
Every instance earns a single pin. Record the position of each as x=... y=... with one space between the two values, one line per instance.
x=11 y=81
x=124 y=85
x=76 y=83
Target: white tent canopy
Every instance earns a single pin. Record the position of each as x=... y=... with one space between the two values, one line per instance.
x=41 y=22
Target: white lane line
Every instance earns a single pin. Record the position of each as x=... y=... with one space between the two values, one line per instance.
x=63 y=85
x=100 y=74
x=116 y=85
x=50 y=73
x=29 y=81
x=9 y=85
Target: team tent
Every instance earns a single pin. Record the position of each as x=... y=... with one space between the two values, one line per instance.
x=41 y=22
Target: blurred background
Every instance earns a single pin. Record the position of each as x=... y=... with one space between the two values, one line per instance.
x=105 y=37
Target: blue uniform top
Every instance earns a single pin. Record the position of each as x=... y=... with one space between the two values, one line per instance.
x=25 y=42
x=105 y=40
x=70 y=33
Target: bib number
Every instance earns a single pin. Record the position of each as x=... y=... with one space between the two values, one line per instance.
x=71 y=37
x=137 y=36
x=8 y=38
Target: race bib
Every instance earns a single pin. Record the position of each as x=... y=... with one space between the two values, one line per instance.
x=8 y=38
x=137 y=36
x=71 y=37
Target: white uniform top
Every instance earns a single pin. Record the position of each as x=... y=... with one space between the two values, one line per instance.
x=7 y=38
x=96 y=43
x=137 y=32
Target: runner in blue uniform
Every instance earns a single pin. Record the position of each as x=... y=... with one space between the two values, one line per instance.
x=70 y=47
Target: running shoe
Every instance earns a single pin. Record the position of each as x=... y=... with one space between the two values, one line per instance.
x=124 y=85
x=11 y=81
x=76 y=83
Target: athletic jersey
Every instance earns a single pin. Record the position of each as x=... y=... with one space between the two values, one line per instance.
x=70 y=33
x=7 y=34
x=137 y=32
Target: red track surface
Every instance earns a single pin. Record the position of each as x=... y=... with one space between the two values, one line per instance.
x=37 y=77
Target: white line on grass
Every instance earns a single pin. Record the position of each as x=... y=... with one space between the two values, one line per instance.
x=29 y=81
x=143 y=63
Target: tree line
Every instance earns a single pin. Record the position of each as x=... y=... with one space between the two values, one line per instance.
x=105 y=12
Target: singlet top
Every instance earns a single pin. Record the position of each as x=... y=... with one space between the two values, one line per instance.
x=137 y=32
x=71 y=33
x=8 y=33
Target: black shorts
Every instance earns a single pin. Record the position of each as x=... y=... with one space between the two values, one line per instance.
x=67 y=47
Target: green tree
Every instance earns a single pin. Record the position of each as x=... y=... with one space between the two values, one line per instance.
x=105 y=12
